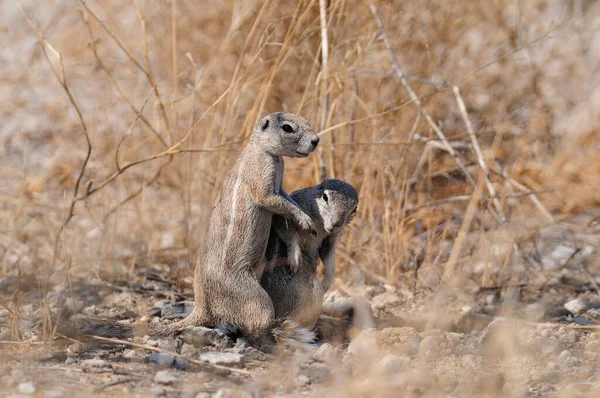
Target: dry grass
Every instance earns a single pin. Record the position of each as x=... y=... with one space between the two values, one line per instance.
x=465 y=126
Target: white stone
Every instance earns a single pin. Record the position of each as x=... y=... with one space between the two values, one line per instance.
x=164 y=377
x=27 y=387
x=223 y=358
x=576 y=306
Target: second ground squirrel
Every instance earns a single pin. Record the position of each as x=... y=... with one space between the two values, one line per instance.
x=298 y=294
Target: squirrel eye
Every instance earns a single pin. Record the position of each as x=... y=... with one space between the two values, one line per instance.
x=325 y=198
x=287 y=128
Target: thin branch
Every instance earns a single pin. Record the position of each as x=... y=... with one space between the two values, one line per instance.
x=147 y=72
x=364 y=119
x=137 y=116
x=413 y=96
x=114 y=82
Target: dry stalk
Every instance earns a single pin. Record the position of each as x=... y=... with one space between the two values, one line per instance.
x=62 y=79
x=479 y=154
x=147 y=72
x=324 y=81
x=464 y=229
x=413 y=96
x=114 y=82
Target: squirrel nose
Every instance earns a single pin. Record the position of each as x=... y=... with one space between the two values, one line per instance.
x=315 y=141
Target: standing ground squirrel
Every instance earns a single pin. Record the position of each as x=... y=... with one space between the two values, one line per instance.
x=227 y=273
x=299 y=295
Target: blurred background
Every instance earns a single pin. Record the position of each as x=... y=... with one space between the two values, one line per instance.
x=469 y=128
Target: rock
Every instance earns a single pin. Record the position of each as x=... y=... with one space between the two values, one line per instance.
x=577 y=306
x=317 y=372
x=161 y=359
x=95 y=362
x=364 y=344
x=164 y=377
x=385 y=300
x=70 y=361
x=180 y=364
x=249 y=352
x=549 y=264
x=177 y=310
x=579 y=320
x=27 y=387
x=189 y=351
x=564 y=354
x=200 y=336
x=223 y=358
x=391 y=364
x=171 y=345
x=335 y=304
x=302 y=381
x=431 y=344
x=562 y=253
x=134 y=354
x=325 y=353
x=203 y=394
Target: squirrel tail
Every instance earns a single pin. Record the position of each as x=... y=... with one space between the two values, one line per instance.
x=283 y=331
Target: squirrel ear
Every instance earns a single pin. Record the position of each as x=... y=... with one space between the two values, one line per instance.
x=264 y=124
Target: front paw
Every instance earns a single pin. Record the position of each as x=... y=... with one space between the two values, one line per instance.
x=307 y=224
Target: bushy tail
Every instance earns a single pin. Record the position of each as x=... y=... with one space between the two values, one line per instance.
x=283 y=332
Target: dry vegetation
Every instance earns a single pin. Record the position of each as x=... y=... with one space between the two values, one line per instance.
x=469 y=128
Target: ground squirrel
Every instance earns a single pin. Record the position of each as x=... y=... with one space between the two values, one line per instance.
x=227 y=273
x=298 y=294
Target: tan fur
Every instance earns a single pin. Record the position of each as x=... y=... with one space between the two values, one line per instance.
x=226 y=278
x=300 y=294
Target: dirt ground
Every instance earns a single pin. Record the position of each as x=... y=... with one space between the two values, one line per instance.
x=534 y=339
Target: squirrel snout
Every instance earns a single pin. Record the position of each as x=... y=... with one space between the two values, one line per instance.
x=315 y=141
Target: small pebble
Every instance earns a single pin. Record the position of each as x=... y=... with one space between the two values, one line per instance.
x=180 y=364
x=164 y=377
x=27 y=388
x=95 y=362
x=302 y=380
x=161 y=359
x=70 y=361
x=581 y=321
x=576 y=306
x=223 y=358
